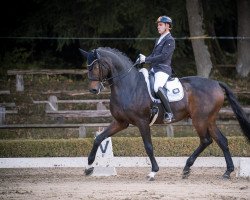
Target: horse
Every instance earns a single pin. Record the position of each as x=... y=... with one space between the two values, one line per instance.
x=130 y=103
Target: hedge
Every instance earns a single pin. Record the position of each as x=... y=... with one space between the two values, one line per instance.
x=122 y=146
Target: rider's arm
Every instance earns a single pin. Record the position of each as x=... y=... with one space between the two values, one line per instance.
x=168 y=49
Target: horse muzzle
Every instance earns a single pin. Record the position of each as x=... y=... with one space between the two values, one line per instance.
x=96 y=87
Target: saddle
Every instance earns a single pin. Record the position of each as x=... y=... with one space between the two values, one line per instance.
x=173 y=87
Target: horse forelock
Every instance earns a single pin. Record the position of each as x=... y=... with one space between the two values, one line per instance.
x=115 y=54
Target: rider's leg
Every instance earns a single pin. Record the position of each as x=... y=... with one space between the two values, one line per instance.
x=160 y=80
x=164 y=99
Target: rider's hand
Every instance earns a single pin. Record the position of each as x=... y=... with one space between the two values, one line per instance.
x=141 y=59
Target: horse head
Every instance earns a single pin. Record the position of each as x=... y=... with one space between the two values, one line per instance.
x=108 y=65
x=98 y=70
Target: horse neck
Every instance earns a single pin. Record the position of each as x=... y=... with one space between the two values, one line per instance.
x=122 y=70
x=125 y=78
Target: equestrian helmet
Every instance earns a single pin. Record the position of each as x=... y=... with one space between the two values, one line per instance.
x=164 y=19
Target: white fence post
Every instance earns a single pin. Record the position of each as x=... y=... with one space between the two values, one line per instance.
x=19 y=83
x=2 y=115
x=52 y=105
x=170 y=130
x=82 y=132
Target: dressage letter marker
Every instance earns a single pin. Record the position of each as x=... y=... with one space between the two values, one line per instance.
x=103 y=150
x=102 y=165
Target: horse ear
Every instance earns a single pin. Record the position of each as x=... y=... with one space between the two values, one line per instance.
x=83 y=53
x=96 y=53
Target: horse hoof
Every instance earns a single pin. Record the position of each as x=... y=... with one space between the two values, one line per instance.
x=151 y=178
x=89 y=171
x=226 y=176
x=185 y=174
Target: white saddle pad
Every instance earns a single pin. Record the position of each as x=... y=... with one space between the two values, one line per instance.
x=174 y=87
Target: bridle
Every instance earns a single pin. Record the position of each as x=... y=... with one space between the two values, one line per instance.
x=91 y=67
x=100 y=77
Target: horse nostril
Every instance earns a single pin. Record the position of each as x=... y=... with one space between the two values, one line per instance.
x=93 y=91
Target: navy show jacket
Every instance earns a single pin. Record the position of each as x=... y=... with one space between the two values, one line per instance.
x=160 y=58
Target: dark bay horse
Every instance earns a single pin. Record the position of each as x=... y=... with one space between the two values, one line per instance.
x=130 y=103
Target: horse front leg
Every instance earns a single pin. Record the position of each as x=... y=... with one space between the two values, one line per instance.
x=146 y=136
x=113 y=128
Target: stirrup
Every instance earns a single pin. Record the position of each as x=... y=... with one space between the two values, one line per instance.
x=168 y=117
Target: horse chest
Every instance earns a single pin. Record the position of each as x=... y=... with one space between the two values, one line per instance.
x=124 y=107
x=123 y=110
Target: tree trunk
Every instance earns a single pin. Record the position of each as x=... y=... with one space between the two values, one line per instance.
x=201 y=53
x=243 y=59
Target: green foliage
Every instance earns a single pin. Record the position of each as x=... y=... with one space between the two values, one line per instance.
x=19 y=57
x=71 y=24
x=87 y=18
x=122 y=146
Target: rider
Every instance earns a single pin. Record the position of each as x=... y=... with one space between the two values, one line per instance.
x=160 y=61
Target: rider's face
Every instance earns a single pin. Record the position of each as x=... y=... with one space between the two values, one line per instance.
x=162 y=27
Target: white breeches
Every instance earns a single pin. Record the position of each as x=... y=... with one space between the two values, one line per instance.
x=160 y=80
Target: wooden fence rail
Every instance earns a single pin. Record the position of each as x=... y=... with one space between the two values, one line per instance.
x=46 y=72
x=4 y=92
x=83 y=132
x=4 y=111
x=52 y=104
x=19 y=74
x=53 y=101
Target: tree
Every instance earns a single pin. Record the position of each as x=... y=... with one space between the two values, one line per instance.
x=62 y=24
x=243 y=59
x=201 y=53
x=221 y=22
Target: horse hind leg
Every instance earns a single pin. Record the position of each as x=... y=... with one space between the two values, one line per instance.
x=205 y=140
x=222 y=142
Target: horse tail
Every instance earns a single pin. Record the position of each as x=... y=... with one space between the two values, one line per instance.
x=238 y=111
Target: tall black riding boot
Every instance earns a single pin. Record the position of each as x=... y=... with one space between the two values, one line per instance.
x=164 y=100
